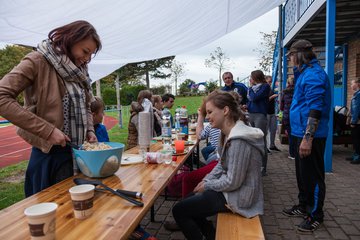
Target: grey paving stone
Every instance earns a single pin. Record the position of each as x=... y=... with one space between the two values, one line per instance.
x=330 y=224
x=322 y=233
x=350 y=230
x=285 y=224
x=306 y=236
x=337 y=233
x=341 y=208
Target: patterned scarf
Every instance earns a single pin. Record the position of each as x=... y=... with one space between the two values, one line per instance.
x=77 y=84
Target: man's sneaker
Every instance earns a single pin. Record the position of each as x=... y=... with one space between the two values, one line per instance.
x=295 y=211
x=290 y=157
x=309 y=225
x=274 y=148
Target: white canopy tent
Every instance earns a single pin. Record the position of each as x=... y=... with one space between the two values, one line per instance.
x=131 y=31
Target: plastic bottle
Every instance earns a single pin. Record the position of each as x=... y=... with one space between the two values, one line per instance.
x=177 y=119
x=184 y=122
x=166 y=126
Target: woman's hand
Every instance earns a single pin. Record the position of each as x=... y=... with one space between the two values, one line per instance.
x=200 y=187
x=57 y=137
x=91 y=137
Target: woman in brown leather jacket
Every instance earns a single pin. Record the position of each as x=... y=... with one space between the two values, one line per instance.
x=57 y=96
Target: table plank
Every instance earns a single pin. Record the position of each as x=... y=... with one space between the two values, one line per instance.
x=113 y=217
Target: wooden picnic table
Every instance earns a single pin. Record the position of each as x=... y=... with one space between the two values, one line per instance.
x=112 y=218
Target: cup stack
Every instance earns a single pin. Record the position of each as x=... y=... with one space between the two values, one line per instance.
x=144 y=131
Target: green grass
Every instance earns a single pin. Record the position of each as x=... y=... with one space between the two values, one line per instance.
x=12 y=177
x=12 y=184
x=192 y=103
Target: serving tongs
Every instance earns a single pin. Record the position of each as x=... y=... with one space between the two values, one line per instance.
x=73 y=145
x=121 y=193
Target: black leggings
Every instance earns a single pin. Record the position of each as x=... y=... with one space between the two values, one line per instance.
x=191 y=213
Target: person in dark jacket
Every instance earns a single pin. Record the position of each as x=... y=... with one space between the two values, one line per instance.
x=285 y=104
x=309 y=119
x=231 y=85
x=258 y=97
x=271 y=116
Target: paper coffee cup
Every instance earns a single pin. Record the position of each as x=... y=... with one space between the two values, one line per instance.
x=42 y=220
x=82 y=197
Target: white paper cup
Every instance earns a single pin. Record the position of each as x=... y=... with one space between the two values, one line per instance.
x=82 y=197
x=42 y=220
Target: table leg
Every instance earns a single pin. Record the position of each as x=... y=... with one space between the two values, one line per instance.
x=152 y=213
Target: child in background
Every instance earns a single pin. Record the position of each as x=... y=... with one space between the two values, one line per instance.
x=97 y=108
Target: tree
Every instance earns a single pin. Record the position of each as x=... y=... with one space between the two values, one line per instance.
x=211 y=85
x=177 y=70
x=219 y=60
x=185 y=87
x=266 y=51
x=132 y=73
x=10 y=56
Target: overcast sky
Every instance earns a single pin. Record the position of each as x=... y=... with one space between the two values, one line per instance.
x=239 y=46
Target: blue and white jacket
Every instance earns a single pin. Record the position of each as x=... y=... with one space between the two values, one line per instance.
x=312 y=92
x=240 y=88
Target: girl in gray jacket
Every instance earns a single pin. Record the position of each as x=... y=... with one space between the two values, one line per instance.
x=235 y=182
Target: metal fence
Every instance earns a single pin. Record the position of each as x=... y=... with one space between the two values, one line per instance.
x=294 y=9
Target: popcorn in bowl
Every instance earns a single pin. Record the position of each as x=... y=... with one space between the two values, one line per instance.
x=94 y=146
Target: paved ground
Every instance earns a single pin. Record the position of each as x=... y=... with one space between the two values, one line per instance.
x=342 y=203
x=14 y=149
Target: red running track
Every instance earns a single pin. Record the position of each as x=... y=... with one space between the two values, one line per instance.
x=13 y=149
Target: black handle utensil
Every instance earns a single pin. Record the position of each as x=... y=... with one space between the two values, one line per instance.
x=72 y=145
x=130 y=193
x=120 y=193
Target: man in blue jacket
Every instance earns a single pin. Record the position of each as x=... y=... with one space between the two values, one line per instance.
x=309 y=117
x=231 y=85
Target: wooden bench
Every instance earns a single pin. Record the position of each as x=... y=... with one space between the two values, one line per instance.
x=235 y=227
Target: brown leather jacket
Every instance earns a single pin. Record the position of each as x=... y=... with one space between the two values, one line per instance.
x=43 y=93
